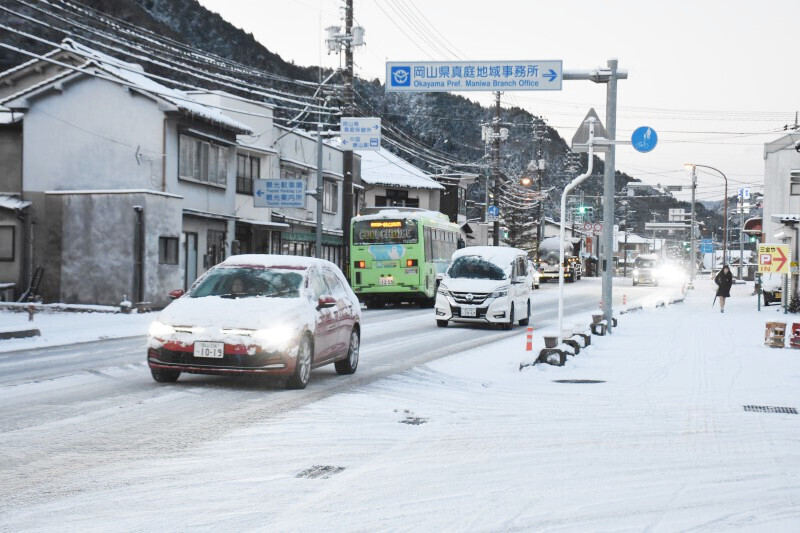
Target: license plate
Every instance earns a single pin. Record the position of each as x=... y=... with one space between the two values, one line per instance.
x=214 y=350
x=469 y=311
x=386 y=281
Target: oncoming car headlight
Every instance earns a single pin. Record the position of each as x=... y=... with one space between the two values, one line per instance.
x=635 y=271
x=159 y=329
x=443 y=290
x=500 y=293
x=276 y=337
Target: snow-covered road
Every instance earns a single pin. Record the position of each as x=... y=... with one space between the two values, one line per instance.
x=469 y=442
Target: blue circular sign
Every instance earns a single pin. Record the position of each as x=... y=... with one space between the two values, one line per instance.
x=494 y=210
x=644 y=139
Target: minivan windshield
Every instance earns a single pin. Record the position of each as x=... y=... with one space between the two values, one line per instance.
x=644 y=263
x=246 y=282
x=474 y=267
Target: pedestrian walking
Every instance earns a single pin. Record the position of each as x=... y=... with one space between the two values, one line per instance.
x=724 y=281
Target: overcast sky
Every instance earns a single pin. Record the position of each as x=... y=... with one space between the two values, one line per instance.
x=716 y=79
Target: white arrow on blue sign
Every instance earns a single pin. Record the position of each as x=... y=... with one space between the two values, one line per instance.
x=644 y=139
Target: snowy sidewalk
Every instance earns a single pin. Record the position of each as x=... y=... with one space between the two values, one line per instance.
x=57 y=326
x=660 y=441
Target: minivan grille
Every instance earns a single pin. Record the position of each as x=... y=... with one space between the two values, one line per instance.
x=470 y=298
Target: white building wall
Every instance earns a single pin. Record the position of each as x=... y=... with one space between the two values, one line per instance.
x=780 y=159
x=87 y=137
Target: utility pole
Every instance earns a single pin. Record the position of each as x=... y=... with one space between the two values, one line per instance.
x=692 y=253
x=347 y=162
x=496 y=165
x=607 y=236
x=741 y=234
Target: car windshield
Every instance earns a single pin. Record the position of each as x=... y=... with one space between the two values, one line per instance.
x=645 y=263
x=475 y=268
x=248 y=282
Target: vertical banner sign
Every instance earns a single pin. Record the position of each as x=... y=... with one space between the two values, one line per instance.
x=446 y=76
x=773 y=258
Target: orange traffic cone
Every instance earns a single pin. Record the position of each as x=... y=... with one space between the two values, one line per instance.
x=529 y=340
x=624 y=299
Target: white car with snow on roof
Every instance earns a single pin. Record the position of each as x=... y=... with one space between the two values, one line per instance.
x=485 y=285
x=259 y=314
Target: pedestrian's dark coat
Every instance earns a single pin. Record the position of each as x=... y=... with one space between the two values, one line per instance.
x=724 y=280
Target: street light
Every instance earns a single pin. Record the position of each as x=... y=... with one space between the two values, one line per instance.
x=691 y=166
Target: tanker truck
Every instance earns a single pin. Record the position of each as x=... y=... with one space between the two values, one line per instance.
x=548 y=260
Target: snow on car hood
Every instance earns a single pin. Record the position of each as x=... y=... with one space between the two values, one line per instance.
x=240 y=313
x=473 y=285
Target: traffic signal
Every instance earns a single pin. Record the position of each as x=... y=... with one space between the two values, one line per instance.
x=581 y=209
x=687 y=246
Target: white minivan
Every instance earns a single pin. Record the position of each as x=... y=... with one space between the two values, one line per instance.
x=485 y=285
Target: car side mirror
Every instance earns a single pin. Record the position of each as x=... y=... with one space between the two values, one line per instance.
x=177 y=293
x=325 y=301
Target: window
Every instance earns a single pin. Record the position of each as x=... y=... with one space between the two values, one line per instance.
x=7 y=243
x=248 y=168
x=168 y=250
x=330 y=196
x=203 y=161
x=794 y=183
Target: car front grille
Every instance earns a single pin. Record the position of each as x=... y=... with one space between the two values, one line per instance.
x=469 y=298
x=255 y=361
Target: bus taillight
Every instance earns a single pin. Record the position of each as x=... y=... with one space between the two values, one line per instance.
x=411 y=262
x=361 y=264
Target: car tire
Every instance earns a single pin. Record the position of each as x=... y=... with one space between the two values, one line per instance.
x=441 y=323
x=349 y=364
x=162 y=375
x=634 y=283
x=527 y=319
x=510 y=324
x=302 y=367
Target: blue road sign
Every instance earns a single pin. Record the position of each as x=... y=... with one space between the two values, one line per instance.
x=644 y=139
x=360 y=133
x=446 y=76
x=279 y=193
x=706 y=246
x=494 y=211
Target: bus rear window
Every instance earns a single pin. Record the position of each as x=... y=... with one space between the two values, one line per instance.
x=385 y=232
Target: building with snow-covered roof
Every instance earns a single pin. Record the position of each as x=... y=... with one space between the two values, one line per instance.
x=130 y=183
x=390 y=181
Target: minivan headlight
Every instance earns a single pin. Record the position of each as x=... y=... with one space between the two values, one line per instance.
x=443 y=290
x=635 y=271
x=500 y=292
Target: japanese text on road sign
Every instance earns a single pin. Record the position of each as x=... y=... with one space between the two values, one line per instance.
x=773 y=258
x=432 y=76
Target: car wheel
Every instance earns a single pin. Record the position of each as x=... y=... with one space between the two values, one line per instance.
x=349 y=364
x=510 y=323
x=524 y=321
x=441 y=323
x=302 y=367
x=162 y=375
x=634 y=283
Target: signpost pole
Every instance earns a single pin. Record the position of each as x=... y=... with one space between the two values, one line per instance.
x=608 y=197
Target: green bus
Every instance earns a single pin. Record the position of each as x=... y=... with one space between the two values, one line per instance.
x=397 y=255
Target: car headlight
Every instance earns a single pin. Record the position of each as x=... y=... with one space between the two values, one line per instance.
x=635 y=271
x=275 y=337
x=443 y=290
x=499 y=293
x=159 y=329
